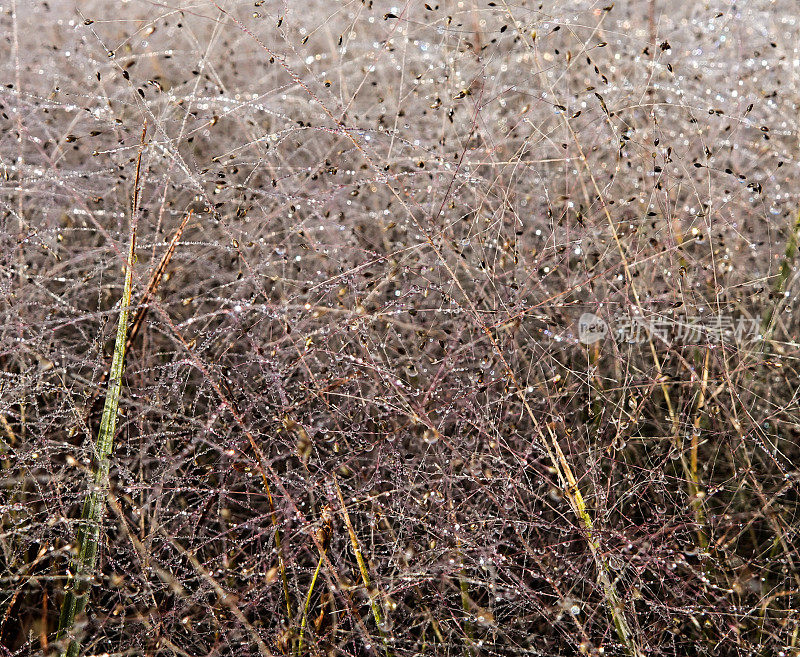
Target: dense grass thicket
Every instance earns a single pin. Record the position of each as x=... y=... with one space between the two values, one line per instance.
x=463 y=328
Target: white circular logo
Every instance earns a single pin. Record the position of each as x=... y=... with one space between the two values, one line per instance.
x=591 y=328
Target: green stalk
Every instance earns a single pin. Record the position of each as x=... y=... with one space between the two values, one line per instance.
x=615 y=604
x=362 y=566
x=323 y=539
x=768 y=320
x=307 y=605
x=88 y=536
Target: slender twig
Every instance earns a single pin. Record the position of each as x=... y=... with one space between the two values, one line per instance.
x=466 y=605
x=23 y=583
x=463 y=587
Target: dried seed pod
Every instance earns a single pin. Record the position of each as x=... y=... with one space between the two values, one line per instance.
x=326 y=529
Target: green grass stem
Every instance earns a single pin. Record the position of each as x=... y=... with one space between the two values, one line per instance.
x=84 y=564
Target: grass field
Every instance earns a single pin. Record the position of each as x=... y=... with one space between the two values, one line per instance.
x=346 y=328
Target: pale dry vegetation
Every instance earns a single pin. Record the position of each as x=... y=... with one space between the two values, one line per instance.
x=365 y=235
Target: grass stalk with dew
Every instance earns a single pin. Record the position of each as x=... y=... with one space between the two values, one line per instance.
x=362 y=566
x=694 y=481
x=769 y=318
x=463 y=587
x=304 y=621
x=615 y=604
x=323 y=538
x=88 y=538
x=466 y=607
